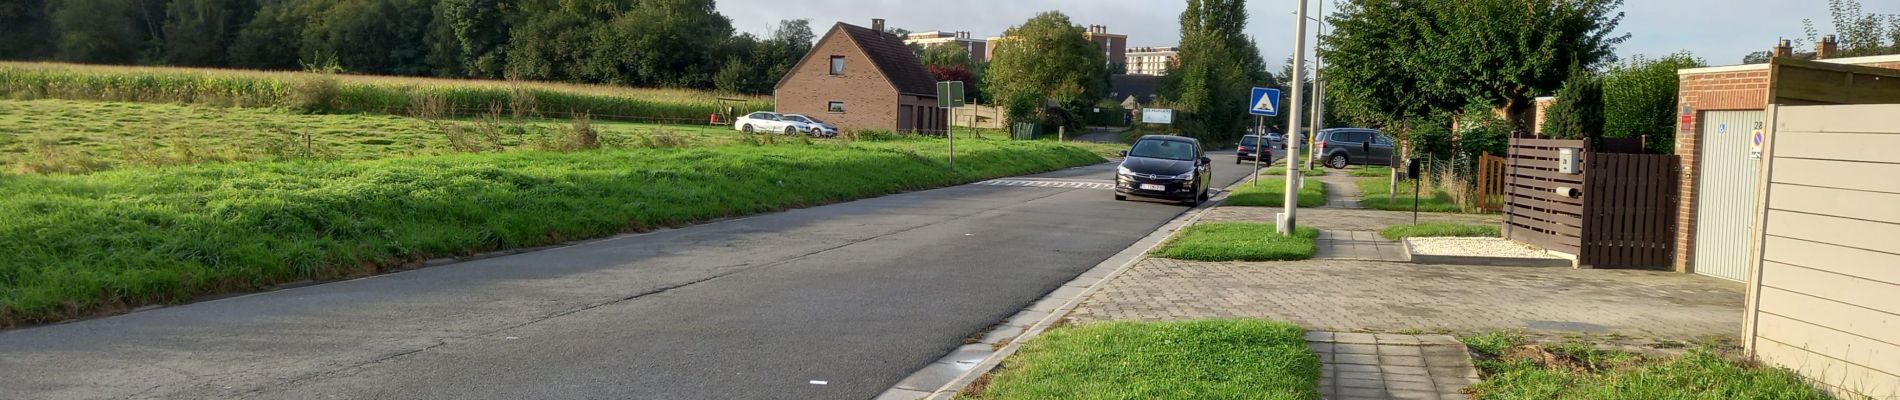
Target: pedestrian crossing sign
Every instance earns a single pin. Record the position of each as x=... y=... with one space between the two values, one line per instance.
x=1264 y=102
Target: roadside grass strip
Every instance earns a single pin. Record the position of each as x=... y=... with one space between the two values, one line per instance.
x=1515 y=369
x=1271 y=192
x=84 y=244
x=1375 y=191
x=1281 y=171
x=1439 y=229
x=1239 y=241
x=1209 y=359
x=1371 y=171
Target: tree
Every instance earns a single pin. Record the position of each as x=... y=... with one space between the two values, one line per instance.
x=1640 y=99
x=1499 y=53
x=29 y=30
x=1578 y=113
x=373 y=36
x=273 y=39
x=1047 y=60
x=482 y=32
x=100 y=31
x=200 y=32
x=945 y=54
x=1218 y=66
x=660 y=43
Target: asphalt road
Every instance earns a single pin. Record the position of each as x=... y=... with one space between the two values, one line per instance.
x=857 y=294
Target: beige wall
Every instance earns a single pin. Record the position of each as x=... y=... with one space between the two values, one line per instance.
x=1824 y=295
x=870 y=102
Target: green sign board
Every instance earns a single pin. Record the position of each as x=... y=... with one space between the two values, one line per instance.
x=950 y=94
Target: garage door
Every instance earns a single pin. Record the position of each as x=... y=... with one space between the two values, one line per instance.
x=1725 y=200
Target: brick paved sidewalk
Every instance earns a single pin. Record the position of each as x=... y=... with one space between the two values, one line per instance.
x=1370 y=296
x=1356 y=366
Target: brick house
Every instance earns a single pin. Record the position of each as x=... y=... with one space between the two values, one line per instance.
x=1719 y=107
x=863 y=78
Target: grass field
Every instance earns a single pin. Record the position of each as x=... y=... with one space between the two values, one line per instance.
x=334 y=93
x=89 y=135
x=1377 y=190
x=1216 y=359
x=1271 y=192
x=1239 y=241
x=89 y=243
x=1439 y=229
x=1515 y=369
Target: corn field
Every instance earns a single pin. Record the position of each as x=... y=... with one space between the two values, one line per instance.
x=331 y=93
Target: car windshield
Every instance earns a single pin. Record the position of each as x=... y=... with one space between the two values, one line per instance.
x=1165 y=149
x=1250 y=141
x=812 y=120
x=795 y=118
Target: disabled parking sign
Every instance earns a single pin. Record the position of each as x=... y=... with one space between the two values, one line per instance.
x=1264 y=102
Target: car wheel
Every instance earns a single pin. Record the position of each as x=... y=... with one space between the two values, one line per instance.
x=1121 y=198
x=1338 y=161
x=791 y=130
x=747 y=128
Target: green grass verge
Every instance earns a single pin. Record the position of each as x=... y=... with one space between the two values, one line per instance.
x=1214 y=359
x=1375 y=191
x=1271 y=192
x=1281 y=171
x=1370 y=171
x=1439 y=229
x=1239 y=241
x=79 y=244
x=1514 y=370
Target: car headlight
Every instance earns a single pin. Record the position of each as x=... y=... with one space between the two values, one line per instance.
x=1123 y=171
x=1186 y=176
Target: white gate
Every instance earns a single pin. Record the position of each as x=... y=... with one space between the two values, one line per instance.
x=1725 y=199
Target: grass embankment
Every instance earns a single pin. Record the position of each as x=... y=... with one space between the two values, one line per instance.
x=1370 y=171
x=1439 y=229
x=84 y=136
x=1271 y=192
x=1218 y=359
x=1514 y=369
x=334 y=93
x=1239 y=241
x=1376 y=190
x=82 y=244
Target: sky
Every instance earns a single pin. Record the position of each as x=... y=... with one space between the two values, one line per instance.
x=1719 y=31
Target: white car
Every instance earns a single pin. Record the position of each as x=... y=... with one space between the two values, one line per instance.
x=769 y=122
x=812 y=126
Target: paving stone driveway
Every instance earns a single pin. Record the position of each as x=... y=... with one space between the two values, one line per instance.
x=1371 y=296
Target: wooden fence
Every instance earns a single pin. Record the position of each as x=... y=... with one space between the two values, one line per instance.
x=1624 y=218
x=1491 y=183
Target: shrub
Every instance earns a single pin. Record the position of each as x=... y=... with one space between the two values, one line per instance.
x=1578 y=113
x=316 y=94
x=1640 y=99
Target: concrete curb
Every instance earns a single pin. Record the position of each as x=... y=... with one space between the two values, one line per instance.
x=1433 y=259
x=1115 y=266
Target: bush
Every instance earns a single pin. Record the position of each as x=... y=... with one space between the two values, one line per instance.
x=1640 y=99
x=317 y=94
x=1578 y=113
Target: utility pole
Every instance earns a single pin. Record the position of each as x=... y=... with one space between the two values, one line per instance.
x=1319 y=86
x=1261 y=145
x=1292 y=201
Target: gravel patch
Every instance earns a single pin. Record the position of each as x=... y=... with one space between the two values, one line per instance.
x=1475 y=247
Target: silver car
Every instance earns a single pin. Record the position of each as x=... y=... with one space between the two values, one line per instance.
x=812 y=126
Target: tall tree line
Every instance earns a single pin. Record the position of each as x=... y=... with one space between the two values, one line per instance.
x=1219 y=64
x=672 y=43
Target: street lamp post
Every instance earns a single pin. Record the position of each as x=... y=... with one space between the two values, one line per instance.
x=1319 y=88
x=1292 y=201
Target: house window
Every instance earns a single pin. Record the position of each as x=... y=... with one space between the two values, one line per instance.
x=836 y=107
x=837 y=65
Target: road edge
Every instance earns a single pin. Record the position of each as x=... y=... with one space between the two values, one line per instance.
x=1091 y=281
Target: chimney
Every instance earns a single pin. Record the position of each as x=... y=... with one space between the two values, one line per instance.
x=877 y=24
x=1785 y=49
x=1827 y=48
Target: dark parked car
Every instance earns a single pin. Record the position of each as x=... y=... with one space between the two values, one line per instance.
x=1164 y=167
x=1255 y=146
x=1338 y=148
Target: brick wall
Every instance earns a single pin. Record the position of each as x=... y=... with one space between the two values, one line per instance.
x=1723 y=89
x=870 y=102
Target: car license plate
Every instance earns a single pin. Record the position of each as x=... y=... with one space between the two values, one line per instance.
x=1158 y=188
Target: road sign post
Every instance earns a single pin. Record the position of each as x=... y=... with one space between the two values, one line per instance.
x=949 y=97
x=1265 y=102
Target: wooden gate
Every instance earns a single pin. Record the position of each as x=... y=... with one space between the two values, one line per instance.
x=1630 y=210
x=1490 y=183
x=1624 y=217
